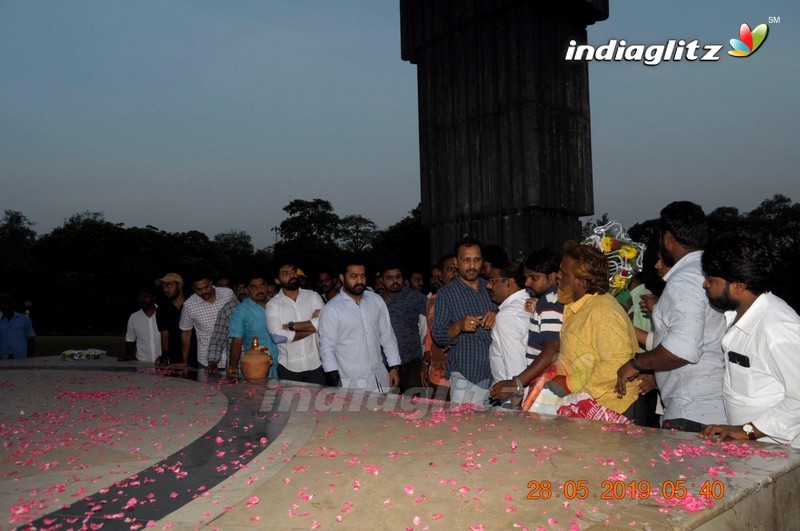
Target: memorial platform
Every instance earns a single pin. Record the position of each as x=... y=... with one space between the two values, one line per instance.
x=98 y=444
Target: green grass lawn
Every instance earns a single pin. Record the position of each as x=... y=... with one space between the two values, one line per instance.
x=55 y=345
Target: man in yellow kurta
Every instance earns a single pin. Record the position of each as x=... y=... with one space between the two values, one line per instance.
x=597 y=335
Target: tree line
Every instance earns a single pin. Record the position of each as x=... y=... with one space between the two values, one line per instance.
x=83 y=276
x=776 y=222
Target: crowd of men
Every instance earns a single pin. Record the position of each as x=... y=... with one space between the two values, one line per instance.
x=721 y=350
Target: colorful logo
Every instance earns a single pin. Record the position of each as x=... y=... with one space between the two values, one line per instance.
x=748 y=41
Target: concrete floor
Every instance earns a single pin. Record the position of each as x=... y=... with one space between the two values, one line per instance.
x=102 y=444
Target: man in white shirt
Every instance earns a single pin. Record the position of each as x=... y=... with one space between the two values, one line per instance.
x=293 y=314
x=762 y=344
x=687 y=359
x=142 y=338
x=353 y=327
x=510 y=332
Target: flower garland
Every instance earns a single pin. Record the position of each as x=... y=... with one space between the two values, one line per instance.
x=625 y=257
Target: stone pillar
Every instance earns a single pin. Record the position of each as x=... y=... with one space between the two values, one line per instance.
x=505 y=151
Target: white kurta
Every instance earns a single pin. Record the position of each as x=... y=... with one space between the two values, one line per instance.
x=767 y=393
x=351 y=335
x=510 y=338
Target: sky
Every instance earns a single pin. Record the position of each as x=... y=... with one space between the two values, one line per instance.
x=212 y=116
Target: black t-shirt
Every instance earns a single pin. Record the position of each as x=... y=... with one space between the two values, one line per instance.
x=168 y=318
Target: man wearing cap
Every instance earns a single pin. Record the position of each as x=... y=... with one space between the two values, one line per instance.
x=169 y=317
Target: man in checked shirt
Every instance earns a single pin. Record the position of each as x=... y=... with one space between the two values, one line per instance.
x=462 y=320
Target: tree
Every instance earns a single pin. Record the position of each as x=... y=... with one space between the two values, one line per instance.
x=237 y=244
x=17 y=237
x=724 y=219
x=88 y=263
x=16 y=230
x=356 y=233
x=94 y=269
x=308 y=235
x=776 y=222
x=310 y=221
x=406 y=243
x=83 y=217
x=193 y=252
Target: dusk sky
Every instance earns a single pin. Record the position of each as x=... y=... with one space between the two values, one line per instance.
x=213 y=115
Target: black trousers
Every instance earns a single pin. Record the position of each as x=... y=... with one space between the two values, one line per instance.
x=316 y=376
x=644 y=410
x=683 y=425
x=410 y=384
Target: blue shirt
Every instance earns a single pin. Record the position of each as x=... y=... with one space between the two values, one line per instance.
x=469 y=352
x=249 y=320
x=405 y=309
x=14 y=335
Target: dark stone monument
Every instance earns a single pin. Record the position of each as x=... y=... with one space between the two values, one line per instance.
x=505 y=151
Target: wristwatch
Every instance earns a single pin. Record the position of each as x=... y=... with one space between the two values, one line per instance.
x=290 y=325
x=750 y=430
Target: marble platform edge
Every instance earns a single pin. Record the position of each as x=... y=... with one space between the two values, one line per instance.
x=234 y=491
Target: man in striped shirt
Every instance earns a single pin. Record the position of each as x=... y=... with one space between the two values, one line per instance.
x=541 y=270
